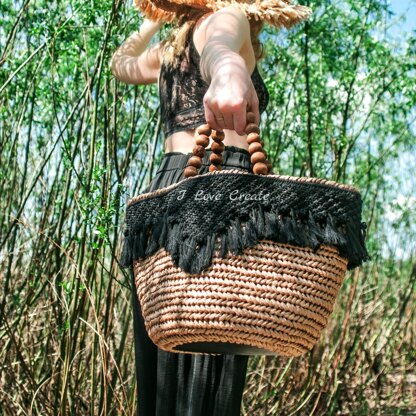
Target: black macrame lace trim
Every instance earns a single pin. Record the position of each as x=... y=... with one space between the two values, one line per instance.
x=297 y=212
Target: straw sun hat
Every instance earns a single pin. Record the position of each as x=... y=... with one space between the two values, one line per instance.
x=278 y=13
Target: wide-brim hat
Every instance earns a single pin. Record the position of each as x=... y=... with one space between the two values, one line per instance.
x=278 y=13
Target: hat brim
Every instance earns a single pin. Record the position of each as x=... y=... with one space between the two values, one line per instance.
x=278 y=13
x=153 y=12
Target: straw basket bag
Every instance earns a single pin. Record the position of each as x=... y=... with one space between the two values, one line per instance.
x=255 y=269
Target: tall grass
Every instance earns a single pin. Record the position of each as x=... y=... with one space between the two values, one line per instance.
x=75 y=144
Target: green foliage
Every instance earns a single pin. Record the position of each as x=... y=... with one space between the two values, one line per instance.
x=75 y=144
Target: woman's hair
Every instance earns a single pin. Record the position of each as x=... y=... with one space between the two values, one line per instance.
x=174 y=44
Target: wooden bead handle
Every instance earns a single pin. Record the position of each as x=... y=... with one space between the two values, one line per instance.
x=258 y=157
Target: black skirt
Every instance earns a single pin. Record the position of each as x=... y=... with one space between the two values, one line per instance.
x=179 y=384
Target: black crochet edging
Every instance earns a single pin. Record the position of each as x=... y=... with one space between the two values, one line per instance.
x=297 y=229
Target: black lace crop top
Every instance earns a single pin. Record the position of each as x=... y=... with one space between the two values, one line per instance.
x=182 y=89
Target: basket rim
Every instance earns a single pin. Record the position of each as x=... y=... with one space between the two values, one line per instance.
x=312 y=180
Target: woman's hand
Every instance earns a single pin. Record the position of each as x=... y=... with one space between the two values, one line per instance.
x=230 y=96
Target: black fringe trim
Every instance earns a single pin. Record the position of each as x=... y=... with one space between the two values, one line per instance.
x=193 y=252
x=143 y=241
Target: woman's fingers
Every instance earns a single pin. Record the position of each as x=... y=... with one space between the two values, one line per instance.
x=227 y=120
x=254 y=106
x=225 y=112
x=240 y=119
x=221 y=122
x=210 y=117
x=216 y=115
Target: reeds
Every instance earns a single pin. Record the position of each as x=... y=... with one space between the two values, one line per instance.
x=75 y=144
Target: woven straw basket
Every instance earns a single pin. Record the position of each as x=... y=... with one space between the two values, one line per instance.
x=274 y=297
x=262 y=280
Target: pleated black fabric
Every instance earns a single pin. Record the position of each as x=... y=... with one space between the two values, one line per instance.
x=179 y=384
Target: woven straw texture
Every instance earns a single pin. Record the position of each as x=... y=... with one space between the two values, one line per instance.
x=273 y=296
x=278 y=13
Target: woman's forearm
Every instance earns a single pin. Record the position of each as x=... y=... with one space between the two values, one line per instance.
x=216 y=57
x=226 y=31
x=134 y=45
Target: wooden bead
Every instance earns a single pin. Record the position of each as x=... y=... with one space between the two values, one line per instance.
x=251 y=118
x=202 y=140
x=214 y=167
x=252 y=128
x=217 y=135
x=195 y=161
x=190 y=171
x=204 y=129
x=217 y=147
x=257 y=157
x=253 y=137
x=199 y=150
x=215 y=158
x=260 y=169
x=255 y=147
x=269 y=166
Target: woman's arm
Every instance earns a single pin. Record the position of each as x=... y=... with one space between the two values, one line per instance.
x=132 y=63
x=231 y=92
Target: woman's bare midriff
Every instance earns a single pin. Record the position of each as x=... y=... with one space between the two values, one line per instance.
x=184 y=141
